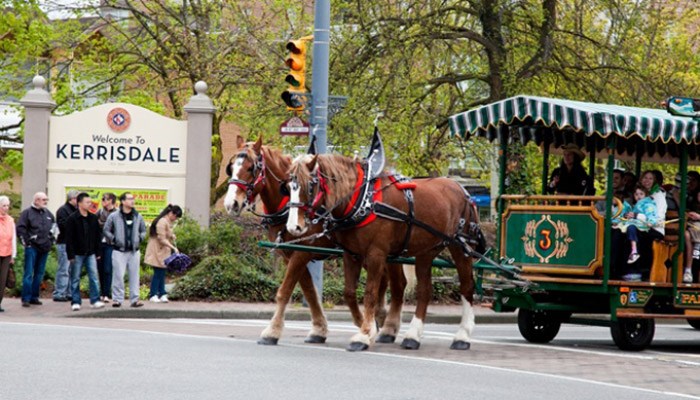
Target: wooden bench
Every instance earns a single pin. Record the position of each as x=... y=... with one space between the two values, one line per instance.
x=663 y=250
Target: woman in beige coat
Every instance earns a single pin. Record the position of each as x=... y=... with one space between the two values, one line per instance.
x=160 y=246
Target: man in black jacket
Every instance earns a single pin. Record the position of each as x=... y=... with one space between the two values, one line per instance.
x=82 y=245
x=61 y=291
x=35 y=229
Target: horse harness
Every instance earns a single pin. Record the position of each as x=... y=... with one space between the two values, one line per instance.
x=366 y=205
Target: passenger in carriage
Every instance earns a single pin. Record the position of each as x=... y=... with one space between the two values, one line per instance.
x=639 y=218
x=634 y=271
x=570 y=177
x=692 y=238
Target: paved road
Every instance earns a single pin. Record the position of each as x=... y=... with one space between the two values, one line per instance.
x=198 y=359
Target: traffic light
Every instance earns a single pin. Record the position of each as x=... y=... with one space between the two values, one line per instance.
x=296 y=77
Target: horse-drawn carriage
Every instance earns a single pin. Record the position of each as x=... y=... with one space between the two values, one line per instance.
x=563 y=243
x=554 y=251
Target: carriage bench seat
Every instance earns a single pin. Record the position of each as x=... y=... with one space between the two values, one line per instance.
x=663 y=250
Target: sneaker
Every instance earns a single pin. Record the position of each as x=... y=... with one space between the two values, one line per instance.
x=61 y=299
x=632 y=277
x=633 y=258
x=688 y=276
x=155 y=299
x=137 y=304
x=116 y=304
x=25 y=304
x=106 y=299
x=164 y=298
x=35 y=302
x=97 y=304
x=75 y=307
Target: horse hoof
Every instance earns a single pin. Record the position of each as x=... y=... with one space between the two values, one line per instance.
x=315 y=339
x=460 y=345
x=384 y=338
x=268 y=341
x=357 y=346
x=410 y=344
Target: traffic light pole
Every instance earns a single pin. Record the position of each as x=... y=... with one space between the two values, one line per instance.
x=319 y=86
x=319 y=101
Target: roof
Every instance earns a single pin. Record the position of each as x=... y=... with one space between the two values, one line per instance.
x=654 y=132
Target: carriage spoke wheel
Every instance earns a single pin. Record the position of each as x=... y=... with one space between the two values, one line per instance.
x=695 y=323
x=632 y=334
x=538 y=326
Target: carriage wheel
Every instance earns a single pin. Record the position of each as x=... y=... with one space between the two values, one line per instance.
x=695 y=323
x=632 y=334
x=538 y=326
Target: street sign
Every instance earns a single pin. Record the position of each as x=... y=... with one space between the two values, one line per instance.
x=295 y=126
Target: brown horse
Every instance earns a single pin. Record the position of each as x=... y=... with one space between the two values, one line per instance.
x=258 y=170
x=331 y=181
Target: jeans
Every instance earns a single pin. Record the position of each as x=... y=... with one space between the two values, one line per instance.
x=633 y=234
x=62 y=284
x=158 y=283
x=104 y=268
x=34 y=267
x=90 y=263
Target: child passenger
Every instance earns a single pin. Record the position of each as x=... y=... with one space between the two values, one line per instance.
x=641 y=217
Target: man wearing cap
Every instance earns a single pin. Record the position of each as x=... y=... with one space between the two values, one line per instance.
x=62 y=290
x=570 y=177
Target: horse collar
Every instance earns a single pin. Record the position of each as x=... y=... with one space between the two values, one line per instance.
x=358 y=212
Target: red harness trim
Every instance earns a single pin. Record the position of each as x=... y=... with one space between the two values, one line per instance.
x=283 y=203
x=402 y=185
x=377 y=197
x=356 y=194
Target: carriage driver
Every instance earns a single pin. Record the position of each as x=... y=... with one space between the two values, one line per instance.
x=570 y=177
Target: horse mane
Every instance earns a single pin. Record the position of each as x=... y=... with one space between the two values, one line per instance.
x=341 y=175
x=276 y=161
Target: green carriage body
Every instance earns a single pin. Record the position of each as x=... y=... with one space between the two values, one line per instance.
x=563 y=243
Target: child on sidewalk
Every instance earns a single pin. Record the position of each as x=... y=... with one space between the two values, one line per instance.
x=641 y=217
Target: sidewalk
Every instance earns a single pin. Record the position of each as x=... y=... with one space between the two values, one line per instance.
x=448 y=314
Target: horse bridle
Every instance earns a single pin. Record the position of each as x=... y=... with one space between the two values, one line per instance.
x=258 y=176
x=317 y=179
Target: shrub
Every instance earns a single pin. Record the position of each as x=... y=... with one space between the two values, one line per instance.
x=232 y=278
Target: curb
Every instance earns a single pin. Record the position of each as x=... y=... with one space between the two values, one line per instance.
x=337 y=316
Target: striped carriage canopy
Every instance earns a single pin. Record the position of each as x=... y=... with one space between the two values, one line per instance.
x=653 y=133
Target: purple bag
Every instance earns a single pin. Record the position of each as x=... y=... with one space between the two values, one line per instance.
x=178 y=262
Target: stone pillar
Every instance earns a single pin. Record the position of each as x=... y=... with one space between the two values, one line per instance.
x=37 y=105
x=200 y=118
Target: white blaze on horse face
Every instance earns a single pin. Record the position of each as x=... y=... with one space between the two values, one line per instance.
x=234 y=193
x=293 y=219
x=466 y=326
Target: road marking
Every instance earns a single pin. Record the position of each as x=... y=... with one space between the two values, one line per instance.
x=372 y=354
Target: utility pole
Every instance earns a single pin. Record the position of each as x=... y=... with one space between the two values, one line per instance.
x=319 y=101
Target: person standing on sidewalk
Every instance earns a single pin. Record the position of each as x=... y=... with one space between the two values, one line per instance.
x=8 y=244
x=104 y=262
x=62 y=289
x=160 y=246
x=82 y=246
x=35 y=229
x=125 y=229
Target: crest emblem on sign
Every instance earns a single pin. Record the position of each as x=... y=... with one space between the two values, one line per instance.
x=118 y=120
x=546 y=238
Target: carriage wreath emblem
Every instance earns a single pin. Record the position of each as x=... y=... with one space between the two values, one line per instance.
x=118 y=120
x=546 y=238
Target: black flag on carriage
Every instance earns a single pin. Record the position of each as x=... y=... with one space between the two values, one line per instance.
x=312 y=146
x=376 y=158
